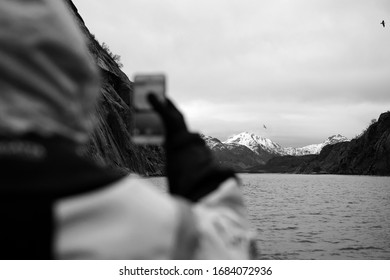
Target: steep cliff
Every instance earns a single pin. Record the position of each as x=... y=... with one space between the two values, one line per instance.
x=110 y=142
x=368 y=154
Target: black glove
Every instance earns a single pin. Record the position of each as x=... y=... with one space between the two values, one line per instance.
x=190 y=166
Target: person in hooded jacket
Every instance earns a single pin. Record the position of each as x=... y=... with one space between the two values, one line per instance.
x=55 y=203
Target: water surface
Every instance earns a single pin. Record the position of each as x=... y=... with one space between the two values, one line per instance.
x=318 y=216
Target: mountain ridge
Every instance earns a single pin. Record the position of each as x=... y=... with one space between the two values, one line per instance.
x=251 y=140
x=315 y=149
x=366 y=154
x=246 y=150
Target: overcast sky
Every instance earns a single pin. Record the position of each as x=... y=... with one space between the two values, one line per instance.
x=306 y=69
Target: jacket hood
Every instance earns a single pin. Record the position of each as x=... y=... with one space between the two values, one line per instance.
x=48 y=81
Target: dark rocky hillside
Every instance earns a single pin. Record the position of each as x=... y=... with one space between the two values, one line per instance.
x=110 y=142
x=284 y=164
x=368 y=154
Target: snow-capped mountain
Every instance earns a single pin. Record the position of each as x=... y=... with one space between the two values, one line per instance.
x=211 y=142
x=259 y=145
x=315 y=149
x=247 y=149
x=239 y=157
x=336 y=139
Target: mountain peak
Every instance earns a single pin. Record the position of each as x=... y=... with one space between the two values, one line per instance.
x=247 y=135
x=335 y=139
x=254 y=142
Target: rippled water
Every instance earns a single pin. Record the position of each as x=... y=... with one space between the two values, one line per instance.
x=318 y=216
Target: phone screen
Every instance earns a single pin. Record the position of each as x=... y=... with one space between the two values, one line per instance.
x=144 y=85
x=148 y=127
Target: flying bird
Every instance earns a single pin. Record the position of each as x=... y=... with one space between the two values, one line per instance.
x=264 y=126
x=383 y=23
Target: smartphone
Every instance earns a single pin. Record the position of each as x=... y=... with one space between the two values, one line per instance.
x=148 y=127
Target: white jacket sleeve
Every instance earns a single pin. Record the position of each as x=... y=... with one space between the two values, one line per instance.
x=132 y=219
x=223 y=228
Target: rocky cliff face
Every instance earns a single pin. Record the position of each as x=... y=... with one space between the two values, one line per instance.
x=368 y=154
x=110 y=142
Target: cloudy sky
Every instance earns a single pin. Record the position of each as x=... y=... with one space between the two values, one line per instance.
x=306 y=69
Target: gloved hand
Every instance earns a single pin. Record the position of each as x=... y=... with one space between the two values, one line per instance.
x=190 y=166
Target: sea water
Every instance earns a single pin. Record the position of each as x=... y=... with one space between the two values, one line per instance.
x=318 y=216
